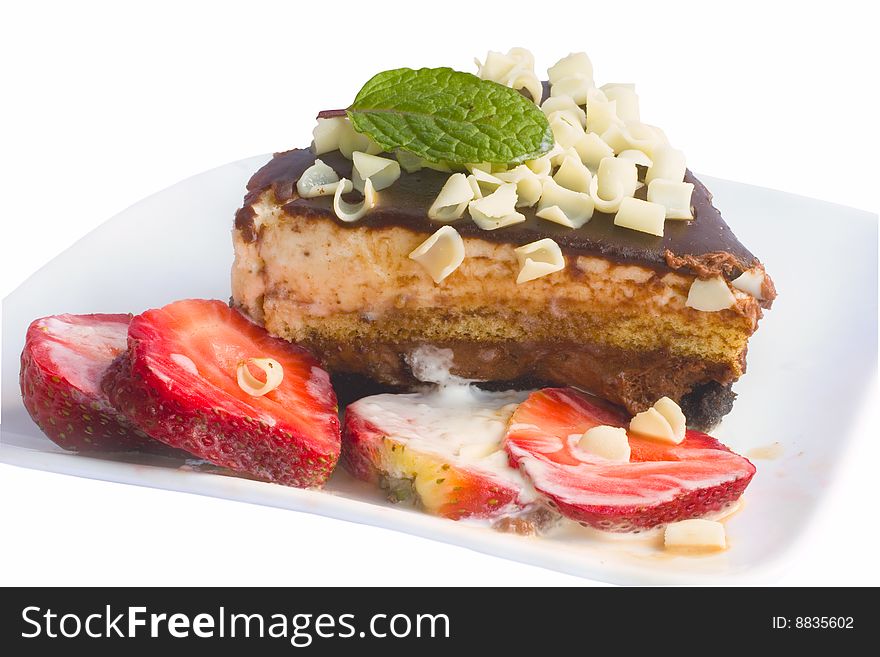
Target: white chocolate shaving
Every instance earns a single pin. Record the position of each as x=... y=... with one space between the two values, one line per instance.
x=538 y=259
x=381 y=171
x=528 y=185
x=607 y=204
x=667 y=163
x=577 y=64
x=566 y=132
x=327 y=133
x=564 y=206
x=640 y=215
x=542 y=167
x=696 y=533
x=496 y=210
x=319 y=180
x=626 y=98
x=613 y=171
x=350 y=141
x=633 y=136
x=572 y=174
x=566 y=105
x=251 y=384
x=441 y=254
x=576 y=87
x=349 y=212
x=592 y=150
x=516 y=69
x=607 y=442
x=487 y=182
x=635 y=156
x=452 y=200
x=601 y=112
x=751 y=282
x=674 y=196
x=475 y=186
x=710 y=295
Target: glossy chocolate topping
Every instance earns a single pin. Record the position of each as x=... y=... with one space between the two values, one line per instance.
x=704 y=246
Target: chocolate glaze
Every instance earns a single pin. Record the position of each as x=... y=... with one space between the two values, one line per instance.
x=705 y=246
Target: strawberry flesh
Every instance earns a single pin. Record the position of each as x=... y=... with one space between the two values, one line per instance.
x=408 y=444
x=178 y=382
x=661 y=483
x=62 y=363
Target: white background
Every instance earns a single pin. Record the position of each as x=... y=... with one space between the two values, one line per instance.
x=105 y=103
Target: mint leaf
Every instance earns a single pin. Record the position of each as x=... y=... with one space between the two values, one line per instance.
x=448 y=116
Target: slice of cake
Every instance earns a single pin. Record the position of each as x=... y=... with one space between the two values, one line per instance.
x=599 y=263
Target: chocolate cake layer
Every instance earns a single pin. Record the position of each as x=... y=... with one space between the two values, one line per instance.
x=704 y=246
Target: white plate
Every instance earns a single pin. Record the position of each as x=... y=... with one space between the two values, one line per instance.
x=816 y=351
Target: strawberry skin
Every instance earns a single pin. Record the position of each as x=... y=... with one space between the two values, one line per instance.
x=662 y=483
x=177 y=382
x=63 y=360
x=392 y=449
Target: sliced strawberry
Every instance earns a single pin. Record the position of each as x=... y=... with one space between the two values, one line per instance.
x=440 y=451
x=62 y=363
x=662 y=482
x=178 y=383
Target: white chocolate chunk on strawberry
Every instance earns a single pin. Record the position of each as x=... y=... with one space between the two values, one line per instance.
x=608 y=442
x=652 y=424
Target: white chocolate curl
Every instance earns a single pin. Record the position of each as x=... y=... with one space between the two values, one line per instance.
x=516 y=70
x=667 y=163
x=566 y=105
x=528 y=185
x=572 y=174
x=452 y=200
x=615 y=181
x=486 y=182
x=327 y=133
x=251 y=384
x=441 y=254
x=338 y=133
x=350 y=141
x=674 y=196
x=634 y=136
x=538 y=259
x=496 y=210
x=592 y=150
x=381 y=171
x=319 y=180
x=564 y=206
x=566 y=130
x=601 y=112
x=349 y=212
x=640 y=215
x=577 y=88
x=626 y=98
x=635 y=156
x=577 y=64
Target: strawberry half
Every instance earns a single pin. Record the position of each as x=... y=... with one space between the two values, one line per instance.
x=178 y=382
x=62 y=363
x=661 y=483
x=440 y=451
